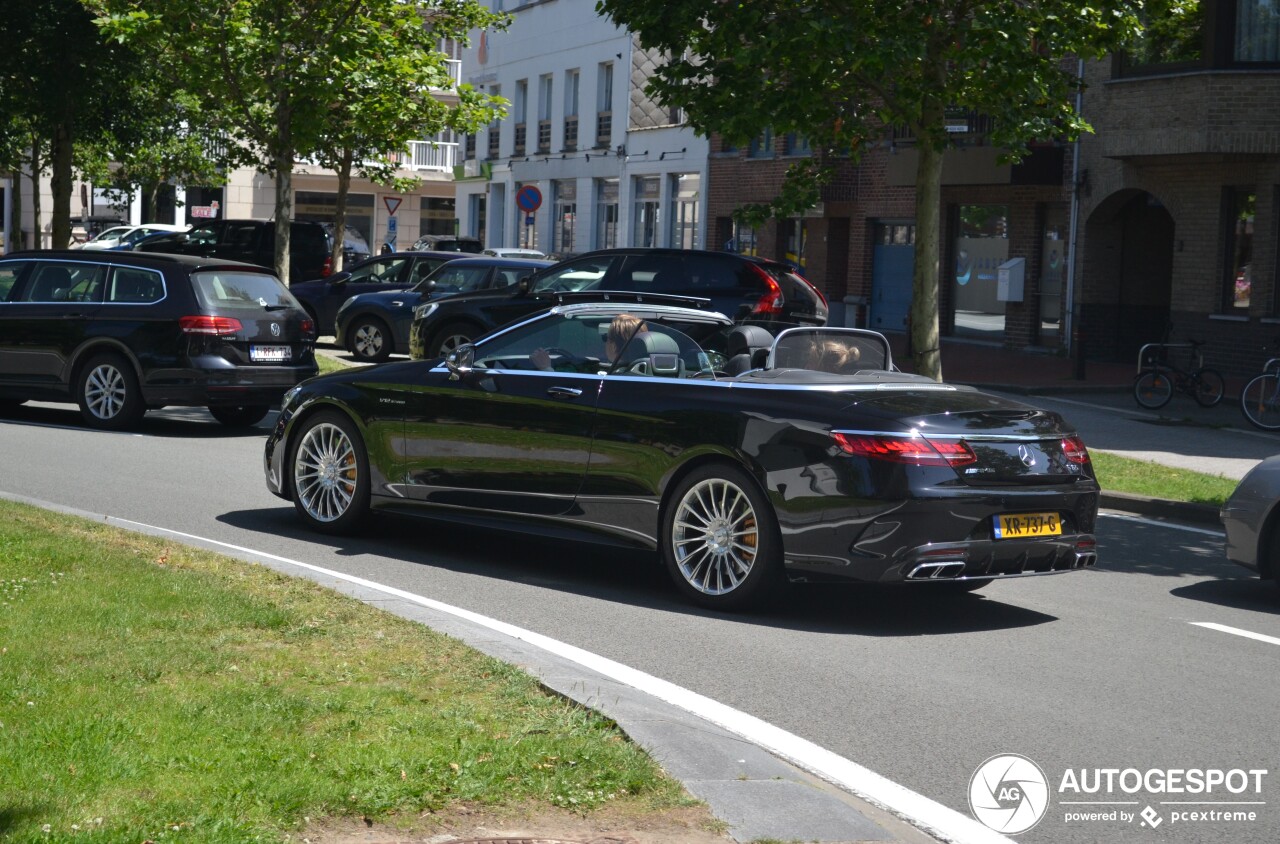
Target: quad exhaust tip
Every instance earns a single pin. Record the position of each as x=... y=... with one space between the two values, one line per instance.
x=937 y=571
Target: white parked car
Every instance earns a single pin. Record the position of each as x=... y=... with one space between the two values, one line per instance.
x=515 y=252
x=123 y=237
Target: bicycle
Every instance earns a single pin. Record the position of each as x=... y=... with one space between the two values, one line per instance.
x=1158 y=376
x=1260 y=398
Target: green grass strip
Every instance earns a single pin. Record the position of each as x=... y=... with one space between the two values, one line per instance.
x=1140 y=477
x=154 y=692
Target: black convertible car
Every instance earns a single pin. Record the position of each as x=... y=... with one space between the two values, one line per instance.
x=742 y=458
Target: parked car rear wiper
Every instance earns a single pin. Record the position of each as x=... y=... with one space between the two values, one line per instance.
x=276 y=307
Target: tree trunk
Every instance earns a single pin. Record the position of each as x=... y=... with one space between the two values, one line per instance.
x=283 y=165
x=60 y=185
x=36 y=166
x=340 y=210
x=924 y=292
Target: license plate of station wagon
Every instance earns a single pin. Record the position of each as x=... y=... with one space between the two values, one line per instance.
x=1017 y=526
x=270 y=354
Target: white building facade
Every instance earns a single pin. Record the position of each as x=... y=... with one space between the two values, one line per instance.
x=584 y=159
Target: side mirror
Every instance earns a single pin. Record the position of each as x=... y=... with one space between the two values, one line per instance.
x=431 y=285
x=460 y=361
x=524 y=284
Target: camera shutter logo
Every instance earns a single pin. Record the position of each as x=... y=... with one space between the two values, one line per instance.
x=1009 y=793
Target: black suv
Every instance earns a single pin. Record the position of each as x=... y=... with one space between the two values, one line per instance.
x=121 y=332
x=254 y=242
x=747 y=289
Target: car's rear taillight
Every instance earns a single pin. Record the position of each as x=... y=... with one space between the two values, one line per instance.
x=770 y=304
x=327 y=267
x=906 y=449
x=308 y=327
x=215 y=325
x=1073 y=449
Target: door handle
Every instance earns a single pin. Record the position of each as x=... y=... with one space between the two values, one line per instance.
x=564 y=392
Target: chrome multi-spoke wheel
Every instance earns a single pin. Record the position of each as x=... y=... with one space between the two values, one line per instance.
x=719 y=538
x=370 y=341
x=330 y=483
x=452 y=336
x=108 y=393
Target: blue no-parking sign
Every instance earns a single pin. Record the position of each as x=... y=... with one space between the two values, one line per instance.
x=529 y=198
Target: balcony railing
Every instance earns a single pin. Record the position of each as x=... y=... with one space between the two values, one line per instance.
x=520 y=132
x=424 y=155
x=544 y=136
x=571 y=133
x=604 y=129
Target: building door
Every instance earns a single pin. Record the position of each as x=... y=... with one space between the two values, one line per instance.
x=1128 y=272
x=893 y=258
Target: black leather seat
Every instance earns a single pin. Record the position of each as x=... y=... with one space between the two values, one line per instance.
x=748 y=348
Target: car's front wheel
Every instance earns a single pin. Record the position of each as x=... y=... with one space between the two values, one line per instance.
x=329 y=473
x=451 y=336
x=370 y=340
x=108 y=393
x=720 y=539
x=240 y=415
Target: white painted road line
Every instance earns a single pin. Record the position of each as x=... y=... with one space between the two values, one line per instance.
x=932 y=817
x=1157 y=523
x=1236 y=631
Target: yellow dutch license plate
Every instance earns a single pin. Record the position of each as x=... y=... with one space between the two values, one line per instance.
x=1028 y=524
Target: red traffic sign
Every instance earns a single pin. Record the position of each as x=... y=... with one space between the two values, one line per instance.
x=529 y=198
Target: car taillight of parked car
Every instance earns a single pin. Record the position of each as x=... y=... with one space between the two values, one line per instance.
x=1074 y=451
x=914 y=450
x=326 y=269
x=212 y=325
x=308 y=327
x=770 y=304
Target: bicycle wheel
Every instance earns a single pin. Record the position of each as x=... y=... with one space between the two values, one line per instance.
x=1153 y=388
x=1208 y=387
x=1260 y=402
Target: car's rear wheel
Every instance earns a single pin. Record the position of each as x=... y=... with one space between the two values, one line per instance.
x=720 y=539
x=240 y=415
x=451 y=336
x=329 y=473
x=370 y=340
x=108 y=393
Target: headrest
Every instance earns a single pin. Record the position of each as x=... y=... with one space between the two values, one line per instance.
x=744 y=339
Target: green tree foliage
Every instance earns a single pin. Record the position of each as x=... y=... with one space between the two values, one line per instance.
x=280 y=70
x=60 y=82
x=841 y=72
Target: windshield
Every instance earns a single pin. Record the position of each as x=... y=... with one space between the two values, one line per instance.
x=600 y=344
x=584 y=274
x=451 y=278
x=220 y=290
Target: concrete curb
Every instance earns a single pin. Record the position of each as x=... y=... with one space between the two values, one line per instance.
x=1182 y=511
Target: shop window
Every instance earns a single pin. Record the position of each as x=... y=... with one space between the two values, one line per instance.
x=1241 y=204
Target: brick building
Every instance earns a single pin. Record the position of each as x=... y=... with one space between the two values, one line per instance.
x=1173 y=207
x=1180 y=192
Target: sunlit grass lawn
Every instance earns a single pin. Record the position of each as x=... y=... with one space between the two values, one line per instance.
x=150 y=691
x=1139 y=477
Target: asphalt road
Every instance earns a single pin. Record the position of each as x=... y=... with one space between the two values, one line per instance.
x=1096 y=669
